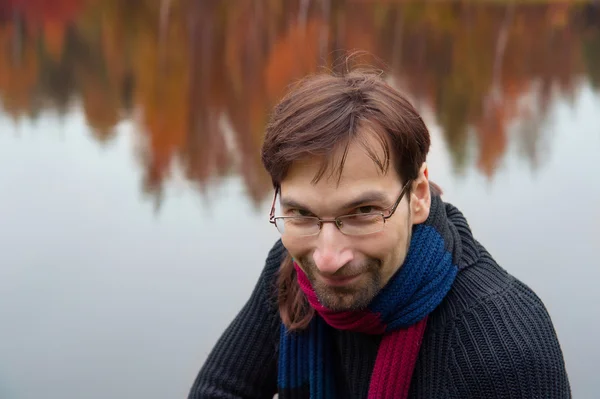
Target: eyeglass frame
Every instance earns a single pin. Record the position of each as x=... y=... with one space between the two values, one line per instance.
x=335 y=220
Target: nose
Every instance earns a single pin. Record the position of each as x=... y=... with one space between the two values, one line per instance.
x=332 y=251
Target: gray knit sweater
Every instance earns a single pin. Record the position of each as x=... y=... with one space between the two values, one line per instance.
x=491 y=337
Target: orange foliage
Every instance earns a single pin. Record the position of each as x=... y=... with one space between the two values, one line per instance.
x=202 y=76
x=294 y=55
x=18 y=73
x=54 y=38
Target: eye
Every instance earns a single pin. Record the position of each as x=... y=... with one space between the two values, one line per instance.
x=299 y=212
x=365 y=209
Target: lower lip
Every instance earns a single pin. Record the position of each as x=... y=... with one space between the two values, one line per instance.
x=337 y=282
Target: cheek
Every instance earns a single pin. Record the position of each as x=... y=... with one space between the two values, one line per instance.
x=381 y=246
x=296 y=247
x=391 y=249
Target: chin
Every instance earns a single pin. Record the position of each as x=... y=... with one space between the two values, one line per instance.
x=344 y=299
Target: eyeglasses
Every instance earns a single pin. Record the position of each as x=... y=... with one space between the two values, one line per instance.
x=356 y=224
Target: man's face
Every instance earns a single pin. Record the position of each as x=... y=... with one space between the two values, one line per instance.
x=345 y=271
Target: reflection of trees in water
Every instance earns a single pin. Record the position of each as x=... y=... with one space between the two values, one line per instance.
x=590 y=20
x=199 y=78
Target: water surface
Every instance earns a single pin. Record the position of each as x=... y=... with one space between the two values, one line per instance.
x=133 y=206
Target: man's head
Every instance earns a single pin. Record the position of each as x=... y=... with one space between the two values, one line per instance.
x=347 y=145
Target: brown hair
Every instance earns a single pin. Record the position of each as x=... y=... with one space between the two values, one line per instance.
x=326 y=112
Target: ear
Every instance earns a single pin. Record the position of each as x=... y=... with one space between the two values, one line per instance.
x=420 y=200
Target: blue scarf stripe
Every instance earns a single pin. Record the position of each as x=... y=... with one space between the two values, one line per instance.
x=400 y=288
x=316 y=360
x=284 y=358
x=426 y=249
x=306 y=362
x=302 y=365
x=292 y=364
x=314 y=356
x=407 y=280
x=293 y=361
x=438 y=286
x=429 y=303
x=327 y=363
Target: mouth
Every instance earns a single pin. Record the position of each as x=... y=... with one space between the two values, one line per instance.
x=339 y=281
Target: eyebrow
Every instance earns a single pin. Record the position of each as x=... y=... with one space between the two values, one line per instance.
x=364 y=198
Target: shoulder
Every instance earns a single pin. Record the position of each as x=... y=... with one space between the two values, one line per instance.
x=268 y=277
x=499 y=336
x=276 y=253
x=265 y=291
x=485 y=287
x=273 y=261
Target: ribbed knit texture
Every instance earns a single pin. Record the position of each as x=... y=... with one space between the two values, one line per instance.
x=491 y=337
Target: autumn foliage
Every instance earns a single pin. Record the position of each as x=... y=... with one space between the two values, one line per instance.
x=199 y=77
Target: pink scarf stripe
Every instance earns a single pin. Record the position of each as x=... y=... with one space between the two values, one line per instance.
x=359 y=321
x=395 y=362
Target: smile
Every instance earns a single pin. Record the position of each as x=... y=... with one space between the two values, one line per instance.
x=339 y=281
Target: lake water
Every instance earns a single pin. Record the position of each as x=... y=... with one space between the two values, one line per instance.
x=133 y=206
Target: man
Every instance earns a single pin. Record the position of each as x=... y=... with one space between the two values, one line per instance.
x=377 y=288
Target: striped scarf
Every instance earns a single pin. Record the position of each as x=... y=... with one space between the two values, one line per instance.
x=398 y=312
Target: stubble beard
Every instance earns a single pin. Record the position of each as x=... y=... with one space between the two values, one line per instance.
x=356 y=296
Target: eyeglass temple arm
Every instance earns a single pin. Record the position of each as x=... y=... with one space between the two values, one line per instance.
x=272 y=213
x=402 y=193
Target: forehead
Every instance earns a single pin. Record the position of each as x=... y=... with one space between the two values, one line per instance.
x=360 y=173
